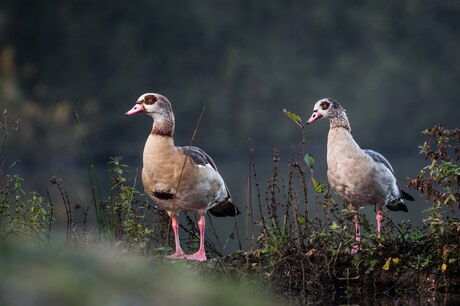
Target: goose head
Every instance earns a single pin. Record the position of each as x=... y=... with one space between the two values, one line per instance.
x=327 y=108
x=152 y=104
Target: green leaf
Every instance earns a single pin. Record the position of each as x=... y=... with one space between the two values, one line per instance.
x=318 y=185
x=310 y=160
x=293 y=116
x=451 y=197
x=334 y=226
x=301 y=220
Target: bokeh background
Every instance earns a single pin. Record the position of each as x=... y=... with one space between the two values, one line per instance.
x=394 y=65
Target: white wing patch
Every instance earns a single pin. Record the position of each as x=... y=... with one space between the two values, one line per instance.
x=207 y=166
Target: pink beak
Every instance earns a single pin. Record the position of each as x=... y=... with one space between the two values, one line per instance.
x=315 y=116
x=138 y=108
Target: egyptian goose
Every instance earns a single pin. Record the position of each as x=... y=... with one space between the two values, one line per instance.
x=179 y=178
x=359 y=177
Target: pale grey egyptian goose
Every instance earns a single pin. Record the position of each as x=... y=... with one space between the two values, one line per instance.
x=359 y=177
x=179 y=178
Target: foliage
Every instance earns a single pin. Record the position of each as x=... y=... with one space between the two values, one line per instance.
x=23 y=215
x=307 y=257
x=440 y=180
x=298 y=242
x=125 y=217
x=126 y=212
x=296 y=118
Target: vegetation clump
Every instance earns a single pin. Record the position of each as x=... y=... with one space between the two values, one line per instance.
x=297 y=237
x=23 y=215
x=307 y=258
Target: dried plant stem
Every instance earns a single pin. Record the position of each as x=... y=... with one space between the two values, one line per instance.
x=5 y=140
x=259 y=203
x=183 y=167
x=68 y=210
x=51 y=212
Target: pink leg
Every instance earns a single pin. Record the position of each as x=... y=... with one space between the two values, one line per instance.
x=378 y=217
x=357 y=235
x=179 y=254
x=200 y=255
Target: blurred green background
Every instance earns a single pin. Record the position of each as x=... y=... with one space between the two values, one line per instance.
x=394 y=65
x=100 y=276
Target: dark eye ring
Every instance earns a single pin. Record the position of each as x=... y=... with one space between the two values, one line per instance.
x=324 y=105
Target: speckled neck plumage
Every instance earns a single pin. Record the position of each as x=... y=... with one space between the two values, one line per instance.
x=164 y=125
x=340 y=120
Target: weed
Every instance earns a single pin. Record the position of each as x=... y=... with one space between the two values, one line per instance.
x=23 y=215
x=439 y=183
x=309 y=257
x=440 y=180
x=288 y=246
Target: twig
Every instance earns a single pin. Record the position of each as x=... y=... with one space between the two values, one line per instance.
x=50 y=221
x=5 y=138
x=253 y=163
x=183 y=167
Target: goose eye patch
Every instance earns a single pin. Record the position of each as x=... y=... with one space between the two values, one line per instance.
x=150 y=100
x=324 y=105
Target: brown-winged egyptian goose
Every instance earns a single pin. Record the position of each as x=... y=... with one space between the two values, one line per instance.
x=179 y=178
x=359 y=177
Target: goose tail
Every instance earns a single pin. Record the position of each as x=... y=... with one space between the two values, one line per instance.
x=397 y=205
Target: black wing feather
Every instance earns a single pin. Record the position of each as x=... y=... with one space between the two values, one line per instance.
x=198 y=156
x=406 y=196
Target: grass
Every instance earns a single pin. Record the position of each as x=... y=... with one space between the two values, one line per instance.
x=104 y=276
x=303 y=257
